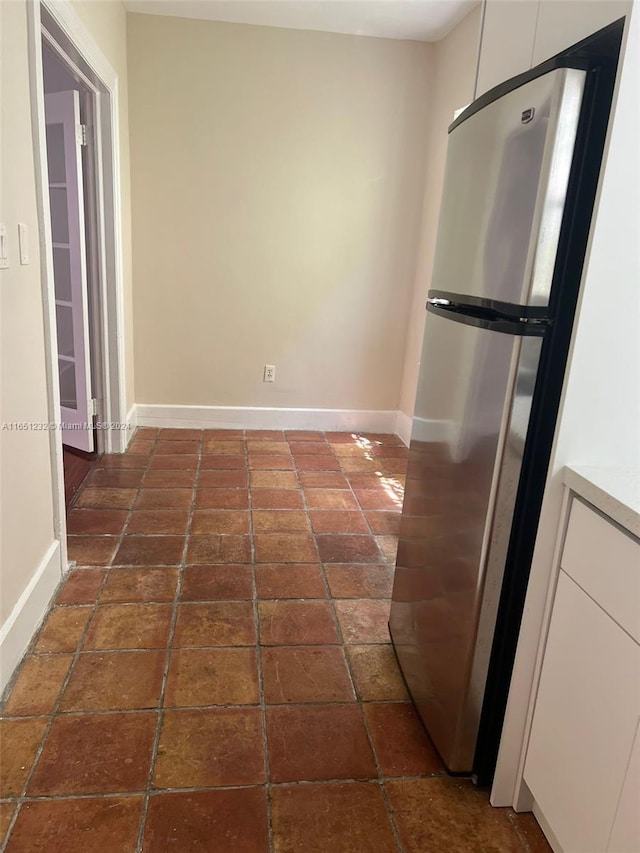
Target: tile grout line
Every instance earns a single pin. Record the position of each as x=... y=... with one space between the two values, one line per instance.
x=258 y=648
x=381 y=779
x=170 y=636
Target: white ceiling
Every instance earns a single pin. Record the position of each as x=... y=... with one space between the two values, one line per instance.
x=422 y=20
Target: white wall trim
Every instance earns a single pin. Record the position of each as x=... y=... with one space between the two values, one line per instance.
x=259 y=417
x=23 y=621
x=403 y=428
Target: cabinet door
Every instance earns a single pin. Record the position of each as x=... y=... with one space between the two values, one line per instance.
x=562 y=23
x=584 y=723
x=626 y=828
x=507 y=41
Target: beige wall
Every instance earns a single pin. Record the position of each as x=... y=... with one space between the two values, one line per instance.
x=455 y=59
x=106 y=22
x=29 y=565
x=277 y=183
x=26 y=518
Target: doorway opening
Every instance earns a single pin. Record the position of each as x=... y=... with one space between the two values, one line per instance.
x=74 y=93
x=71 y=153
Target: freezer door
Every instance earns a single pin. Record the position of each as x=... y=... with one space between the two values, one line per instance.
x=505 y=185
x=469 y=429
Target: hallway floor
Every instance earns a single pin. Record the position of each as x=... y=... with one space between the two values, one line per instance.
x=216 y=675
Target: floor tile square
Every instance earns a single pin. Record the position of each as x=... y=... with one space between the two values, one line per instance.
x=296 y=623
x=227 y=820
x=223 y=479
x=426 y=811
x=159 y=479
x=62 y=630
x=124 y=586
x=212 y=521
x=175 y=462
x=164 y=499
x=290 y=580
x=226 y=623
x=91 y=550
x=347 y=548
x=38 y=685
x=20 y=742
x=6 y=816
x=80 y=586
x=358 y=450
x=104 y=522
x=401 y=744
x=102 y=478
x=338 y=521
x=168 y=448
x=263 y=446
x=84 y=825
x=310 y=448
x=210 y=748
x=223 y=582
x=356 y=581
x=115 y=681
x=323 y=480
x=276 y=499
x=212 y=677
x=345 y=818
x=106 y=498
x=312 y=742
x=376 y=673
x=226 y=548
x=361 y=465
x=280 y=521
x=138 y=550
x=222 y=499
x=159 y=521
x=270 y=462
x=305 y=674
x=284 y=548
x=330 y=499
x=123 y=461
x=222 y=434
x=91 y=754
x=129 y=626
x=231 y=447
x=223 y=462
x=317 y=462
x=264 y=435
x=274 y=480
x=363 y=621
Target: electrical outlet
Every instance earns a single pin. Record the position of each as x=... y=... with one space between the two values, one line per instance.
x=269 y=373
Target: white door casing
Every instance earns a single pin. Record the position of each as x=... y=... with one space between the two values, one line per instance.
x=66 y=198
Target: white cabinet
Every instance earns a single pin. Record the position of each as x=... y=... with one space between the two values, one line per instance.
x=562 y=23
x=518 y=35
x=578 y=765
x=508 y=32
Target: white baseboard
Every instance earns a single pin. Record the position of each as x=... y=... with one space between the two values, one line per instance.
x=23 y=621
x=403 y=428
x=258 y=417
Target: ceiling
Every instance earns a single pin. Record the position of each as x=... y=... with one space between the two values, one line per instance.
x=421 y=20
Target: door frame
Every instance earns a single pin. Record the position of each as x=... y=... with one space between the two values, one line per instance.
x=81 y=53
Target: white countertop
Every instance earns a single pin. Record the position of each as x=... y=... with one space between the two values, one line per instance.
x=614 y=491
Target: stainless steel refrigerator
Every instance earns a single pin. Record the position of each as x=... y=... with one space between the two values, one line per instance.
x=520 y=172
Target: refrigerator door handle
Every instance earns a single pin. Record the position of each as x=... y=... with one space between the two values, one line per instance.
x=488 y=318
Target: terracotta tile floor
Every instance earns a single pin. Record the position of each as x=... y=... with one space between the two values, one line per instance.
x=216 y=674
